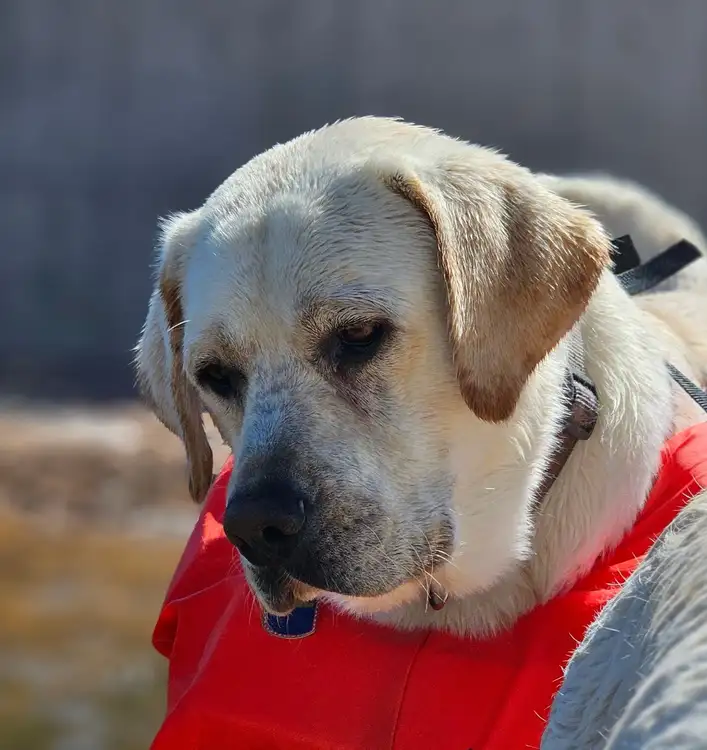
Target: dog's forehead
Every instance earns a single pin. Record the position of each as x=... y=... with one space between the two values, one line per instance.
x=352 y=246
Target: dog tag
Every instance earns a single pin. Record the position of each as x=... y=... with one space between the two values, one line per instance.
x=298 y=624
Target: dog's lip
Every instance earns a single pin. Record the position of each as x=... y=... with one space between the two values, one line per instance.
x=277 y=611
x=286 y=593
x=281 y=609
x=284 y=596
x=280 y=603
x=280 y=590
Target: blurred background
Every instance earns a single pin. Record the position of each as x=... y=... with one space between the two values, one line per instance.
x=114 y=113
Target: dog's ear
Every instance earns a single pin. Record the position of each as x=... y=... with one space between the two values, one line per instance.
x=519 y=264
x=159 y=361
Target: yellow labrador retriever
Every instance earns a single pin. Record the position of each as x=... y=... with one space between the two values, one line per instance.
x=379 y=320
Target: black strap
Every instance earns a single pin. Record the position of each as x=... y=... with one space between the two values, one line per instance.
x=636 y=278
x=582 y=402
x=694 y=391
x=625 y=255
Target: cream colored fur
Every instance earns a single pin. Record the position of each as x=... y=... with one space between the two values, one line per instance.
x=264 y=241
x=625 y=207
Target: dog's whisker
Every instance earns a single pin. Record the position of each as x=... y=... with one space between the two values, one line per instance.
x=424 y=587
x=177 y=325
x=433 y=579
x=446 y=559
x=429 y=544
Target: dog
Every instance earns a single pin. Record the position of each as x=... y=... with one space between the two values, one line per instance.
x=377 y=317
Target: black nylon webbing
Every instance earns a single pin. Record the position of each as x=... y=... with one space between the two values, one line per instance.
x=582 y=412
x=637 y=278
x=694 y=391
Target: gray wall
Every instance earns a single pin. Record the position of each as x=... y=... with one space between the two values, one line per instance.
x=113 y=112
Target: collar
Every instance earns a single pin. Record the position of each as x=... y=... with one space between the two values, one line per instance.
x=580 y=395
x=579 y=392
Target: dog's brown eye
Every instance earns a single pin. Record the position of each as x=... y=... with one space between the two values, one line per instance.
x=356 y=345
x=226 y=382
x=361 y=335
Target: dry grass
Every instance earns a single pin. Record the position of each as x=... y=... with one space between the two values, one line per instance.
x=93 y=517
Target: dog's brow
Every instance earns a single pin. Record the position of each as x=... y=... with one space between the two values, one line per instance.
x=354 y=299
x=215 y=346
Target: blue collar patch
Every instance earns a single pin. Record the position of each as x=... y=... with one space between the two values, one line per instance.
x=298 y=624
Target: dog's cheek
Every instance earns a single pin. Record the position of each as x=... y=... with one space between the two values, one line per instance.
x=369 y=544
x=368 y=393
x=351 y=547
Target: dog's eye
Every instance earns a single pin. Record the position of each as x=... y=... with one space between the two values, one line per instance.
x=360 y=343
x=226 y=382
x=360 y=336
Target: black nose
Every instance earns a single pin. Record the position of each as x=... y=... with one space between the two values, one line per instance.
x=264 y=520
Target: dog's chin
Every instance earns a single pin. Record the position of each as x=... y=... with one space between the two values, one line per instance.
x=279 y=594
x=295 y=594
x=281 y=591
x=383 y=588
x=281 y=604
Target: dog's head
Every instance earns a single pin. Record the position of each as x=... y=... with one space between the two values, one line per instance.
x=360 y=311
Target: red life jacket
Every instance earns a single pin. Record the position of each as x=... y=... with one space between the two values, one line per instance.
x=354 y=685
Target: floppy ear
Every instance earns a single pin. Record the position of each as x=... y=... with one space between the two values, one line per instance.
x=519 y=264
x=159 y=362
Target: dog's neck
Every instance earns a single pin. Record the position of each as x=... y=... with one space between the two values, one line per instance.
x=594 y=500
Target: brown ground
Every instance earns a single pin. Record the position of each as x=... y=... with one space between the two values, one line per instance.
x=93 y=516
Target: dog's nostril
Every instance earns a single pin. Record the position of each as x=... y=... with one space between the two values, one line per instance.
x=265 y=522
x=286 y=525
x=273 y=535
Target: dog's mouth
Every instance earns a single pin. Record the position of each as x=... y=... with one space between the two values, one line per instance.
x=281 y=590
x=277 y=591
